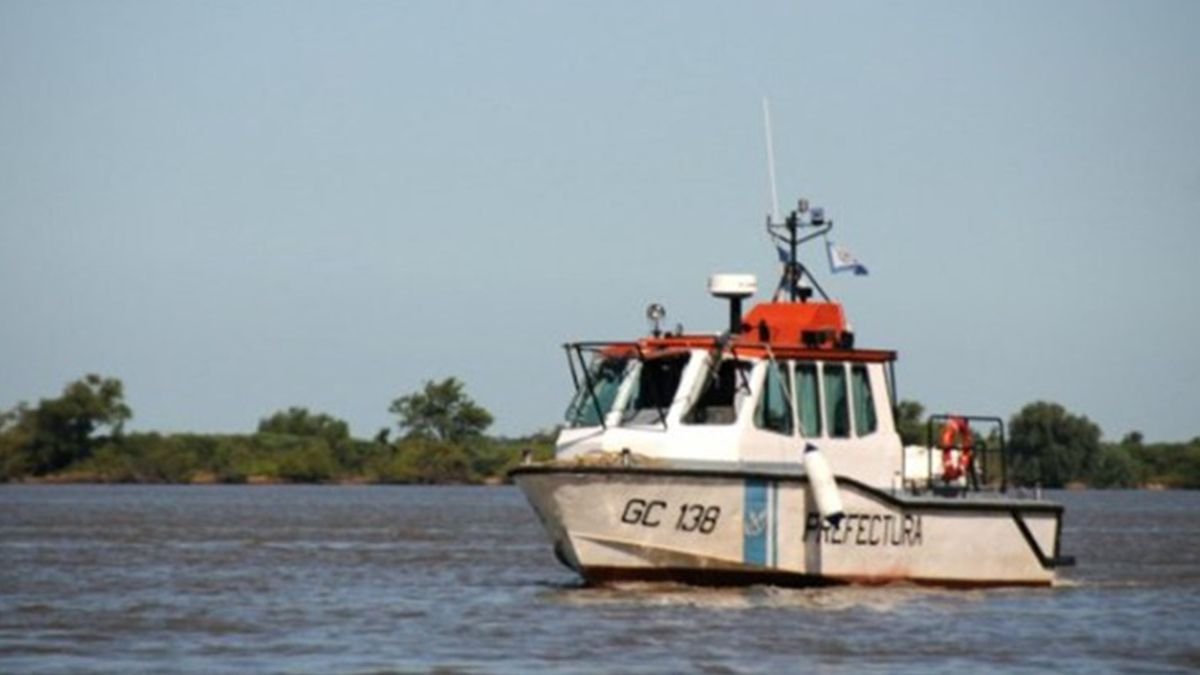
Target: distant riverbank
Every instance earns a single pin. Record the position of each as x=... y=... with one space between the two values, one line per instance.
x=79 y=437
x=513 y=452
x=267 y=458
x=208 y=479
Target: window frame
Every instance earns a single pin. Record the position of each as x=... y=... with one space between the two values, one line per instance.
x=784 y=374
x=826 y=368
x=632 y=416
x=869 y=409
x=583 y=399
x=799 y=397
x=740 y=379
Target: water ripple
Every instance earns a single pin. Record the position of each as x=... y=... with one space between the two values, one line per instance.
x=382 y=580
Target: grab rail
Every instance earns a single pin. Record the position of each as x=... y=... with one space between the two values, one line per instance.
x=979 y=471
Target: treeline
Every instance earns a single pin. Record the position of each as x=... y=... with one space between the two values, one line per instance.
x=80 y=437
x=1052 y=447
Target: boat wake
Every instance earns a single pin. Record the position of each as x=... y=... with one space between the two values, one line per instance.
x=883 y=599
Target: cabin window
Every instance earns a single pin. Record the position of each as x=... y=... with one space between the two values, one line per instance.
x=588 y=407
x=654 y=389
x=722 y=394
x=809 y=399
x=837 y=400
x=774 y=411
x=865 y=421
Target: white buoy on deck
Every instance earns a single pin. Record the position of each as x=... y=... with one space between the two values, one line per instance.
x=824 y=487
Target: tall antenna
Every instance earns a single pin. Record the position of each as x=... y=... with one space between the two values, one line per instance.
x=771 y=160
x=801 y=225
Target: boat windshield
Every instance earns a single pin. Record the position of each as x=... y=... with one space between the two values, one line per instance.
x=654 y=388
x=724 y=391
x=589 y=406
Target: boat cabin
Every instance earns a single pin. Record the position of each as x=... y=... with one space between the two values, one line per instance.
x=785 y=376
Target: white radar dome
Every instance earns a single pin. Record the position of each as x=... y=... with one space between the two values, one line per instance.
x=732 y=285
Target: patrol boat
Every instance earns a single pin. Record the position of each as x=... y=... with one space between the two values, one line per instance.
x=768 y=453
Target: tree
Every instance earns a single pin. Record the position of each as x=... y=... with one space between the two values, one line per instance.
x=1114 y=467
x=419 y=460
x=16 y=437
x=1051 y=446
x=298 y=421
x=910 y=423
x=1133 y=439
x=331 y=431
x=442 y=412
x=311 y=462
x=61 y=431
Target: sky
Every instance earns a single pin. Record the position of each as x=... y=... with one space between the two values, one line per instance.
x=236 y=207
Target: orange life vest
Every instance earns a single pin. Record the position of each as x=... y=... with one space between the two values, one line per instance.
x=956 y=434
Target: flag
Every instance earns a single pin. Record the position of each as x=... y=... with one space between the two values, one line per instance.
x=842 y=260
x=784 y=256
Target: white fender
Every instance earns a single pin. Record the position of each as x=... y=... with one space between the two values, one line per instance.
x=824 y=487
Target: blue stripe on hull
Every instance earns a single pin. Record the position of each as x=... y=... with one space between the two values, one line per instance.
x=755 y=523
x=774 y=524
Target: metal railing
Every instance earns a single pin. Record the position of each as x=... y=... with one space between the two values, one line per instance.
x=981 y=470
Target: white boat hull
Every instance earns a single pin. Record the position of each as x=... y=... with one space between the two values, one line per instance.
x=723 y=527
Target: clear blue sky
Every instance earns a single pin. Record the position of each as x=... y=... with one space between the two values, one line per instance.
x=237 y=207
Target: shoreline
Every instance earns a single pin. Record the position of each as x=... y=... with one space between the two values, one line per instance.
x=251 y=481
x=362 y=481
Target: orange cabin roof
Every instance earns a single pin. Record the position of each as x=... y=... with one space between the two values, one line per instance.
x=815 y=330
x=786 y=322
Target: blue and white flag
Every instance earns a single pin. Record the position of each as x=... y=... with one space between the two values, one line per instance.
x=842 y=260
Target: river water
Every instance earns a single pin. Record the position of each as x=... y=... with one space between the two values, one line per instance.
x=296 y=579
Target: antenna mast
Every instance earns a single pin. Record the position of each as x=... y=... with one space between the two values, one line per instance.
x=801 y=225
x=770 y=159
